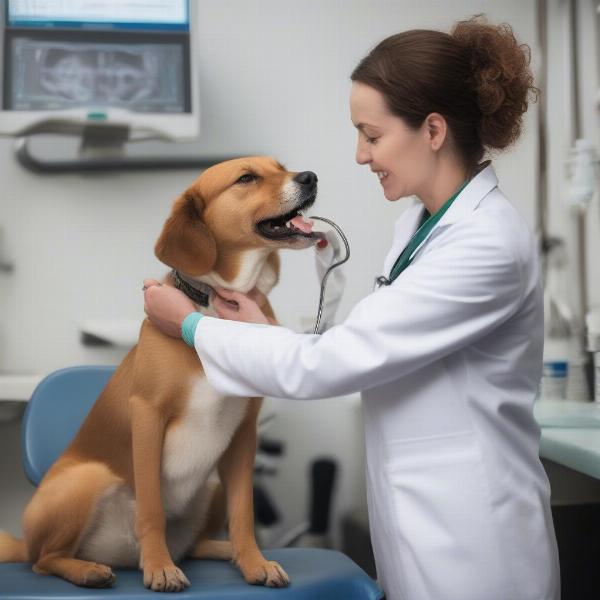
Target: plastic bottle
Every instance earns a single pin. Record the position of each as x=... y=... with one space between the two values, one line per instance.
x=593 y=344
x=553 y=385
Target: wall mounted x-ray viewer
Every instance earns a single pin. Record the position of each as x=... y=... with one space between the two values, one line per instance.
x=72 y=64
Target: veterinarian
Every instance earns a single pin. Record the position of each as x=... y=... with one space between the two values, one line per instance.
x=447 y=352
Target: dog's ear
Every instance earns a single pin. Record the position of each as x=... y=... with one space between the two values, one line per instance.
x=185 y=242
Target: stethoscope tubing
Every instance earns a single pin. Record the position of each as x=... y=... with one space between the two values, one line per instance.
x=331 y=267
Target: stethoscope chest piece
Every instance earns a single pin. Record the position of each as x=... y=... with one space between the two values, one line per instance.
x=380 y=281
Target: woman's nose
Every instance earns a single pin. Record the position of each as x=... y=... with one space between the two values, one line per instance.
x=363 y=156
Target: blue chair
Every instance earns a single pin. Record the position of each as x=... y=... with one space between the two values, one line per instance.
x=54 y=414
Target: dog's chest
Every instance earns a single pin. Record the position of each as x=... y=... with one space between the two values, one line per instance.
x=195 y=442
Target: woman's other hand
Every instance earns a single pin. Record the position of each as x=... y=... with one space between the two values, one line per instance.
x=237 y=306
x=166 y=306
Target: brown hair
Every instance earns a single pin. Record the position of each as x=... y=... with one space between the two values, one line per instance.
x=477 y=77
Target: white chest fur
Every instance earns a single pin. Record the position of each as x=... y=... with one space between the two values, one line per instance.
x=254 y=271
x=194 y=444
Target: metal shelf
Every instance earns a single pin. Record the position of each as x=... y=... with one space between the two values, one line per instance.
x=117 y=162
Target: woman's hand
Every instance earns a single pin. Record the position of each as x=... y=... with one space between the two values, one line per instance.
x=236 y=306
x=166 y=306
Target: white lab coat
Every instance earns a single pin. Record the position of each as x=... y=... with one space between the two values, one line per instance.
x=448 y=359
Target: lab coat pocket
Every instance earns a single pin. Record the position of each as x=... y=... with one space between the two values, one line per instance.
x=443 y=518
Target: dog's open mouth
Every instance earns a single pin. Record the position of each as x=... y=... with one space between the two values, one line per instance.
x=289 y=225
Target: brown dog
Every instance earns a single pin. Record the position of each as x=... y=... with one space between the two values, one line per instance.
x=138 y=485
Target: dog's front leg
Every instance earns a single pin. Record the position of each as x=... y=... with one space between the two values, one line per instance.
x=236 y=468
x=147 y=436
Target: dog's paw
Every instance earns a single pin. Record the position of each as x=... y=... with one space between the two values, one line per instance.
x=97 y=576
x=266 y=572
x=166 y=578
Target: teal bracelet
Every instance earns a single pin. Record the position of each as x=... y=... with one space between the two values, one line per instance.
x=188 y=327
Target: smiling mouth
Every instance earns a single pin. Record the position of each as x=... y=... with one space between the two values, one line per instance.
x=288 y=225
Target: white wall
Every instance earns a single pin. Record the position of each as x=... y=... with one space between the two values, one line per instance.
x=274 y=80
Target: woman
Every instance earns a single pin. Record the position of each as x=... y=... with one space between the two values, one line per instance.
x=447 y=353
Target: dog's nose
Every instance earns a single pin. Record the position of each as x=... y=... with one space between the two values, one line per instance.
x=307 y=178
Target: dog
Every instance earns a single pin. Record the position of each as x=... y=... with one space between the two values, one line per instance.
x=162 y=460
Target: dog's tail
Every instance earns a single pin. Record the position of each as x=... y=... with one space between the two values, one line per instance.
x=12 y=549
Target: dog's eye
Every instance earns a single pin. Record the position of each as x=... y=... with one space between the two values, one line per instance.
x=247 y=178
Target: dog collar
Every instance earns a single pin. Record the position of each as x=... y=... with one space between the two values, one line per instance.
x=198 y=292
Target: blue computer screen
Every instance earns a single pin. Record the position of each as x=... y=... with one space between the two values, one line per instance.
x=117 y=14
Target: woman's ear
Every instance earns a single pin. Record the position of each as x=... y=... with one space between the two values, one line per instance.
x=437 y=129
x=185 y=243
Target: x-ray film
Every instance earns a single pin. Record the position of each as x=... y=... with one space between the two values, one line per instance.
x=138 y=77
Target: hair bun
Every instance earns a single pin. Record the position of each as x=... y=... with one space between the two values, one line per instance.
x=502 y=79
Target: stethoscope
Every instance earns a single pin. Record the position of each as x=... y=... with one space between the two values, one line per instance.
x=380 y=280
x=331 y=267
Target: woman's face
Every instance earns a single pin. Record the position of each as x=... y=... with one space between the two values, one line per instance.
x=400 y=157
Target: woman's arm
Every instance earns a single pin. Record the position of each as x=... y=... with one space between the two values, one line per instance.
x=454 y=294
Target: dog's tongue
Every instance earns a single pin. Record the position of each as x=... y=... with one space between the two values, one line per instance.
x=301 y=224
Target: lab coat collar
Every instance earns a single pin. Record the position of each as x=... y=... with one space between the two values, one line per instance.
x=405 y=227
x=467 y=201
x=474 y=192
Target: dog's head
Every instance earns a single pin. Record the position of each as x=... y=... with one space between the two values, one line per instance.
x=236 y=206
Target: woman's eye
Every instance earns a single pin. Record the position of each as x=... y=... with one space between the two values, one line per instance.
x=247 y=178
x=372 y=140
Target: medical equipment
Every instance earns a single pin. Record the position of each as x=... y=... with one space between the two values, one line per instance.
x=582 y=173
x=111 y=74
x=558 y=319
x=125 y=70
x=593 y=345
x=331 y=267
